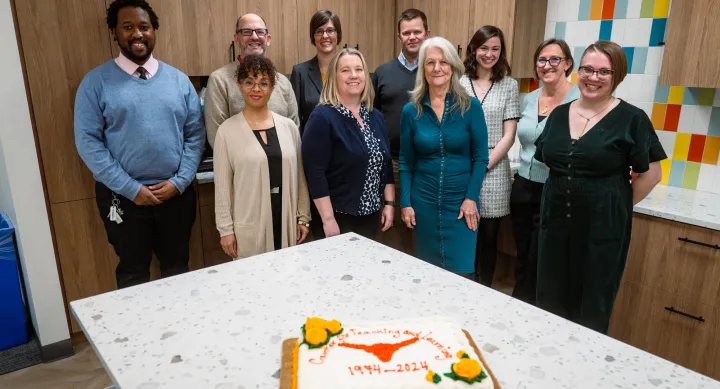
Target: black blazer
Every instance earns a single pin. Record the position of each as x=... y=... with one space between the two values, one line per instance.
x=335 y=157
x=307 y=84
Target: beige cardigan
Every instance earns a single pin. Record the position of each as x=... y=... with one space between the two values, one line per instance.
x=242 y=186
x=223 y=99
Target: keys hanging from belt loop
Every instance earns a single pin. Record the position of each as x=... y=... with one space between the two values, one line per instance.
x=115 y=211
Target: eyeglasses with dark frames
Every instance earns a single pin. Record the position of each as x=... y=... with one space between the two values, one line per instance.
x=587 y=71
x=249 y=31
x=330 y=31
x=553 y=61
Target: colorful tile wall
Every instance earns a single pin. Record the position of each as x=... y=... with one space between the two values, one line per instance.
x=687 y=120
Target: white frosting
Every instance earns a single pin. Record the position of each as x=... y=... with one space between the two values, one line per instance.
x=434 y=345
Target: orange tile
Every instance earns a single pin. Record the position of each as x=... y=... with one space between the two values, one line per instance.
x=596 y=9
x=534 y=84
x=608 y=10
x=658 y=116
x=573 y=77
x=712 y=150
x=672 y=117
x=697 y=145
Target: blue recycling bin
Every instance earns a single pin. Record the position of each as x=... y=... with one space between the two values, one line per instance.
x=13 y=321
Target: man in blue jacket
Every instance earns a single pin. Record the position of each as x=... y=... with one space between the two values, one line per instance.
x=139 y=129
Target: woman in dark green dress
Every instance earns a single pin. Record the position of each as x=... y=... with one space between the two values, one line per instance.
x=590 y=146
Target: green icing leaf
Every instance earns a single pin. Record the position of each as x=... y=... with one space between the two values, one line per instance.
x=436 y=378
x=464 y=356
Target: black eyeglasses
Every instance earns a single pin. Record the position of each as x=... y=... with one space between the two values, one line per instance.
x=587 y=71
x=249 y=31
x=553 y=61
x=330 y=31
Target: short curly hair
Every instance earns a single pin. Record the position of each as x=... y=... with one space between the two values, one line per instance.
x=115 y=6
x=255 y=65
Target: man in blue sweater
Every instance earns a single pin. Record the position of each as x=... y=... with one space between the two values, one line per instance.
x=393 y=82
x=139 y=129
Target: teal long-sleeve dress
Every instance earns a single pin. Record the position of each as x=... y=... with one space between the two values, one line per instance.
x=441 y=164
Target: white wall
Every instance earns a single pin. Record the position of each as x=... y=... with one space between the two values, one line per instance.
x=21 y=192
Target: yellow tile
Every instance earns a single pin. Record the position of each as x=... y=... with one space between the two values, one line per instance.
x=574 y=78
x=676 y=95
x=665 y=165
x=661 y=8
x=682 y=146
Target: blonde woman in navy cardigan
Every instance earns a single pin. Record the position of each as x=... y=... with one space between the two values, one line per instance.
x=346 y=154
x=553 y=64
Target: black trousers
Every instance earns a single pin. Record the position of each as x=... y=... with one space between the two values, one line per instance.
x=486 y=250
x=366 y=226
x=525 y=200
x=162 y=229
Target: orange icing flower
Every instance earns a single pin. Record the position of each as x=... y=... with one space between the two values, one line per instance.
x=430 y=376
x=316 y=336
x=315 y=322
x=333 y=326
x=467 y=368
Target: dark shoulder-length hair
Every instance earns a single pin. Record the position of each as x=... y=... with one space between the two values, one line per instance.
x=501 y=68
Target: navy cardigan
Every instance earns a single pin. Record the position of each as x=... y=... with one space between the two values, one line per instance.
x=335 y=157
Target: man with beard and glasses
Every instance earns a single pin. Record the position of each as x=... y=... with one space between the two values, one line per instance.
x=393 y=82
x=223 y=98
x=139 y=129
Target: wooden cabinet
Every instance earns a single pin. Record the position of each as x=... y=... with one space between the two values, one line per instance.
x=666 y=325
x=58 y=50
x=450 y=22
x=529 y=32
x=195 y=36
x=668 y=303
x=367 y=25
x=670 y=256
x=691 y=54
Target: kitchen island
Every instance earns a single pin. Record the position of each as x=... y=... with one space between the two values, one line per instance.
x=222 y=327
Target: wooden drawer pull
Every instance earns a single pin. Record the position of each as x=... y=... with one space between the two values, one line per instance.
x=673 y=310
x=716 y=247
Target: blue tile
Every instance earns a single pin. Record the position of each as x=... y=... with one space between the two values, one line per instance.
x=714 y=129
x=657 y=34
x=605 y=30
x=577 y=56
x=691 y=95
x=584 y=12
x=621 y=7
x=629 y=53
x=638 y=62
x=560 y=30
x=677 y=171
x=661 y=94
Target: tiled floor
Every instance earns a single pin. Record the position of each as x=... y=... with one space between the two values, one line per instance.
x=81 y=371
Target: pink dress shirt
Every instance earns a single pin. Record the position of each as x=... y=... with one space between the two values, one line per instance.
x=130 y=67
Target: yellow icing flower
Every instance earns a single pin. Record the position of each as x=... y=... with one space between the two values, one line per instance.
x=467 y=368
x=430 y=376
x=333 y=326
x=460 y=354
x=316 y=336
x=315 y=322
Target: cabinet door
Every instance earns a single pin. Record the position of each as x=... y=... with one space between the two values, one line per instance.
x=529 y=32
x=666 y=255
x=500 y=14
x=195 y=36
x=696 y=64
x=281 y=18
x=715 y=372
x=666 y=325
x=375 y=32
x=58 y=51
x=449 y=22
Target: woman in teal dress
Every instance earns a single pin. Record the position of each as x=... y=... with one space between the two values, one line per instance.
x=590 y=146
x=443 y=160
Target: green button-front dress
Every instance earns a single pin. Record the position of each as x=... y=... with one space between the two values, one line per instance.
x=586 y=211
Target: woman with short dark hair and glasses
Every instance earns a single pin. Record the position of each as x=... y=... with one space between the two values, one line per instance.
x=591 y=145
x=553 y=64
x=308 y=78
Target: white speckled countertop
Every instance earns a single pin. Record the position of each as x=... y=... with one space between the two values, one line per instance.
x=222 y=327
x=683 y=205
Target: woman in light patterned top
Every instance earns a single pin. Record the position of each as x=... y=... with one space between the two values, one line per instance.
x=487 y=77
x=346 y=154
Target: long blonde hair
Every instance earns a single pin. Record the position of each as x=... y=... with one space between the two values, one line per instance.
x=329 y=94
x=462 y=99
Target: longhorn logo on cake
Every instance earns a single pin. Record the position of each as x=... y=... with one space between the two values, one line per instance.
x=382 y=351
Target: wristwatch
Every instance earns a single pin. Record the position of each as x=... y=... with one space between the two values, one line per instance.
x=391 y=203
x=302 y=223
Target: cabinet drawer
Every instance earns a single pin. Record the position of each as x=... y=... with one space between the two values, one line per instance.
x=676 y=258
x=666 y=325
